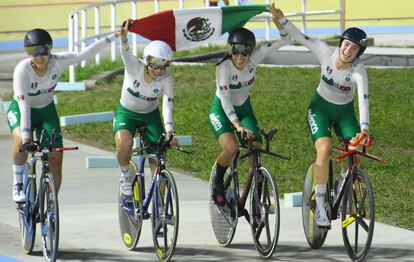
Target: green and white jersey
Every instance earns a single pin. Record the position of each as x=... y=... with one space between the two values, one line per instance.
x=142 y=97
x=336 y=86
x=233 y=85
x=33 y=91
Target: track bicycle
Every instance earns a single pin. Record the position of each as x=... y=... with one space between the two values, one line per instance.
x=164 y=213
x=350 y=197
x=42 y=204
x=264 y=211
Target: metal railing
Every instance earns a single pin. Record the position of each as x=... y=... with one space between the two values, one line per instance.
x=75 y=42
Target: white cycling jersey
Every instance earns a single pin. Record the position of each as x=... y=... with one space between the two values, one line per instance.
x=142 y=97
x=233 y=85
x=336 y=86
x=33 y=91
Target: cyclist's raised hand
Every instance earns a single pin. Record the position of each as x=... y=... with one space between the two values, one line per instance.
x=276 y=12
x=123 y=30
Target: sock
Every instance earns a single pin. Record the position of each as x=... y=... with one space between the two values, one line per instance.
x=125 y=170
x=18 y=174
x=220 y=171
x=320 y=191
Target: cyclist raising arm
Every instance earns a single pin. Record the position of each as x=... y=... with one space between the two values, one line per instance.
x=231 y=109
x=34 y=81
x=144 y=82
x=342 y=74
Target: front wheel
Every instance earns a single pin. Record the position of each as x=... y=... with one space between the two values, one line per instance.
x=130 y=211
x=27 y=223
x=314 y=234
x=264 y=213
x=224 y=219
x=165 y=216
x=358 y=217
x=49 y=217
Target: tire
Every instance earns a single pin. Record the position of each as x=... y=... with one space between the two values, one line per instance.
x=314 y=234
x=224 y=219
x=49 y=217
x=264 y=213
x=27 y=223
x=165 y=220
x=358 y=217
x=130 y=211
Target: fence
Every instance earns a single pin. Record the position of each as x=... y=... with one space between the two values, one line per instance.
x=74 y=26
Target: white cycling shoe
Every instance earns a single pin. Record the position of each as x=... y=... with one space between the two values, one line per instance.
x=125 y=185
x=18 y=193
x=322 y=218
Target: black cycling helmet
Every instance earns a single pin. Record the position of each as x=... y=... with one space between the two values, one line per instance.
x=242 y=36
x=357 y=36
x=37 y=37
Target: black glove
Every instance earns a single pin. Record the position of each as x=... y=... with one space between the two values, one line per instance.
x=29 y=147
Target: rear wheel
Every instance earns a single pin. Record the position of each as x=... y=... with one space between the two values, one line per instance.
x=130 y=211
x=224 y=219
x=314 y=234
x=27 y=223
x=165 y=216
x=49 y=217
x=358 y=218
x=264 y=213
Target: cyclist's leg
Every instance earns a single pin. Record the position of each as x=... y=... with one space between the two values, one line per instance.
x=48 y=119
x=223 y=131
x=19 y=158
x=124 y=128
x=319 y=125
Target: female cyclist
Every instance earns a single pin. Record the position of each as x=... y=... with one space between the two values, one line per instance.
x=231 y=109
x=32 y=108
x=144 y=82
x=342 y=74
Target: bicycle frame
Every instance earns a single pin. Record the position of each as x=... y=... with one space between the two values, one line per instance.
x=351 y=155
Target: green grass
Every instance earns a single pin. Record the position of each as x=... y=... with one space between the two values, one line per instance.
x=280 y=97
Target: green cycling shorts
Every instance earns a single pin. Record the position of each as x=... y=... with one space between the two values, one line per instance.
x=129 y=120
x=220 y=124
x=322 y=115
x=41 y=118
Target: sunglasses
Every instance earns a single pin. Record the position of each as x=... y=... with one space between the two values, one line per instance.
x=240 y=49
x=158 y=63
x=37 y=50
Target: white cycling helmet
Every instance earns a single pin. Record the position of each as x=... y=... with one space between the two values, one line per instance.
x=157 y=54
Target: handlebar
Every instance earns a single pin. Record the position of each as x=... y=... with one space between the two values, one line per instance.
x=41 y=145
x=163 y=144
x=268 y=137
x=344 y=152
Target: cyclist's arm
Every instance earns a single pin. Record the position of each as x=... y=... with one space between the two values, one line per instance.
x=319 y=48
x=21 y=95
x=130 y=61
x=361 y=79
x=260 y=52
x=168 y=103
x=66 y=59
x=223 y=89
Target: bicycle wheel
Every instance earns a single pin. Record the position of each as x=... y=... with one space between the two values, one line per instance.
x=358 y=217
x=49 y=217
x=264 y=213
x=224 y=219
x=27 y=223
x=130 y=211
x=314 y=234
x=165 y=219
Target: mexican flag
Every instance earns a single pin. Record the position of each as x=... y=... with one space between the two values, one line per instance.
x=187 y=28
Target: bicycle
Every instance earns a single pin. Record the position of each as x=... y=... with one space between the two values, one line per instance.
x=132 y=210
x=42 y=204
x=264 y=212
x=350 y=196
